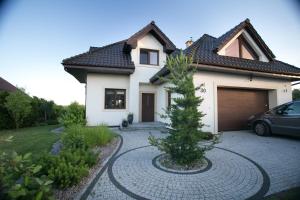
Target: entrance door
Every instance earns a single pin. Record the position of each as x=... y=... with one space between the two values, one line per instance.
x=147 y=107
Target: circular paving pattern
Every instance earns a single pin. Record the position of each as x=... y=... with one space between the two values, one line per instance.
x=230 y=176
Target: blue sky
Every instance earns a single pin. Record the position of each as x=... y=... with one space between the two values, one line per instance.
x=36 y=35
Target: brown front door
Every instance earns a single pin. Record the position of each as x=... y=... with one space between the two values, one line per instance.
x=235 y=106
x=147 y=107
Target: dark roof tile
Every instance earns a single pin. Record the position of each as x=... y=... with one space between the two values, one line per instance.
x=203 y=52
x=107 y=56
x=6 y=86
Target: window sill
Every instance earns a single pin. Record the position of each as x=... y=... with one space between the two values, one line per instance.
x=114 y=110
x=149 y=66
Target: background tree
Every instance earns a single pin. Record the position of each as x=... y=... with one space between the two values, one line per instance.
x=296 y=94
x=73 y=114
x=18 y=104
x=6 y=121
x=182 y=142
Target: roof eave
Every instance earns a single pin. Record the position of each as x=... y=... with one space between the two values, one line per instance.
x=206 y=67
x=80 y=71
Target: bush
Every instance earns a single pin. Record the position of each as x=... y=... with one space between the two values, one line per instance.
x=69 y=167
x=73 y=114
x=74 y=139
x=81 y=137
x=20 y=178
x=205 y=136
x=64 y=174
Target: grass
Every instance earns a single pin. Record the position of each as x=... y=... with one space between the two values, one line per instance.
x=92 y=136
x=34 y=139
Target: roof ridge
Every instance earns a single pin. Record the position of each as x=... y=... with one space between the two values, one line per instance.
x=205 y=34
x=196 y=42
x=162 y=37
x=293 y=66
x=226 y=37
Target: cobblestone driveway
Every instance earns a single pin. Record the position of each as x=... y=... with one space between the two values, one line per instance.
x=244 y=166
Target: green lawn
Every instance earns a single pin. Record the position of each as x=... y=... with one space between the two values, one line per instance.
x=34 y=139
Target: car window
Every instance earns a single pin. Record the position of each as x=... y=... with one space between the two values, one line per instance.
x=279 y=108
x=293 y=109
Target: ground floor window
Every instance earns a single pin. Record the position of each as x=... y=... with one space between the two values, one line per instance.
x=115 y=98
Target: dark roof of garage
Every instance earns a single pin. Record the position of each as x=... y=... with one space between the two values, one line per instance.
x=204 y=52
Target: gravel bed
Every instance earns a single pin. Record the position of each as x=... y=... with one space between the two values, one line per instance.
x=166 y=161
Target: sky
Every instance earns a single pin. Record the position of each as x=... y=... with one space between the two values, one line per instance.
x=35 y=36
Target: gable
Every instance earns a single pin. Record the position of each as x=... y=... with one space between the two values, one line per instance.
x=240 y=48
x=242 y=45
x=148 y=42
x=152 y=29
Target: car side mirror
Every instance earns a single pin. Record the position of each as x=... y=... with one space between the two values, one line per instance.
x=279 y=112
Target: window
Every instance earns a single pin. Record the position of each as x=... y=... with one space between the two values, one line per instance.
x=148 y=57
x=240 y=48
x=115 y=98
x=293 y=109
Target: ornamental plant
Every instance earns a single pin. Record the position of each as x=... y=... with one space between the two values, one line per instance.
x=21 y=178
x=186 y=120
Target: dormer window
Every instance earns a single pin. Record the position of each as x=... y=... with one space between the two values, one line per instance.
x=149 y=57
x=240 y=48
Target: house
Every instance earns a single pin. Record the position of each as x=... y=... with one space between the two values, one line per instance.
x=239 y=71
x=6 y=86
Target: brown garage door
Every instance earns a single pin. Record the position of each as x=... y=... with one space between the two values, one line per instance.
x=235 y=106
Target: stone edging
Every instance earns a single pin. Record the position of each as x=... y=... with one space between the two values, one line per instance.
x=173 y=171
x=87 y=190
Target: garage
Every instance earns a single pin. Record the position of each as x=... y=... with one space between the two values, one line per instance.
x=236 y=105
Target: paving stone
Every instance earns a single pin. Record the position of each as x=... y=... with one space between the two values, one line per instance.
x=230 y=177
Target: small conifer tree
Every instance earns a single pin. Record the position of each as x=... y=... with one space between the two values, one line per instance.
x=186 y=120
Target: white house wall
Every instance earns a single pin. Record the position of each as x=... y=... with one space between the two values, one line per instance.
x=143 y=73
x=95 y=112
x=279 y=92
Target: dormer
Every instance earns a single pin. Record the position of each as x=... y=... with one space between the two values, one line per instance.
x=149 y=47
x=244 y=42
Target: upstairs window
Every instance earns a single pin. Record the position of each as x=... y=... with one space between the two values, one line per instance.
x=149 y=57
x=240 y=48
x=115 y=98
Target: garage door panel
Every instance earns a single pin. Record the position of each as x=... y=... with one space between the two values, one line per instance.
x=235 y=106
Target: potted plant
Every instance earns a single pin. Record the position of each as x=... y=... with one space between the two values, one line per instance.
x=124 y=123
x=130 y=118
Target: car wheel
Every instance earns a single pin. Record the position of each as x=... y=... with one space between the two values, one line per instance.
x=262 y=129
